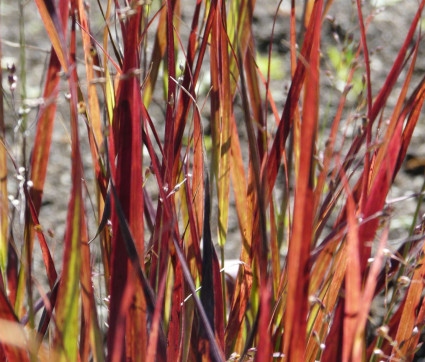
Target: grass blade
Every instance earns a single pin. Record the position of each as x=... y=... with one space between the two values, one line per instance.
x=221 y=110
x=92 y=331
x=352 y=277
x=66 y=340
x=302 y=229
x=53 y=23
x=130 y=195
x=264 y=349
x=4 y=208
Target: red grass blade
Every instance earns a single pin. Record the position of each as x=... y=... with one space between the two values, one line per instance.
x=151 y=354
x=128 y=143
x=334 y=342
x=274 y=248
x=382 y=96
x=379 y=188
x=41 y=149
x=416 y=101
x=173 y=342
x=47 y=258
x=190 y=80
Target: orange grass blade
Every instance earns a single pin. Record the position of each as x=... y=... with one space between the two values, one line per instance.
x=352 y=277
x=301 y=238
x=273 y=160
x=414 y=337
x=405 y=337
x=221 y=110
x=197 y=184
x=43 y=137
x=327 y=298
x=93 y=110
x=158 y=52
x=53 y=23
x=260 y=248
x=367 y=296
x=190 y=80
x=240 y=189
x=270 y=99
x=233 y=333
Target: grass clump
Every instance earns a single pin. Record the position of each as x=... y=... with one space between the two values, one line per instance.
x=184 y=132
